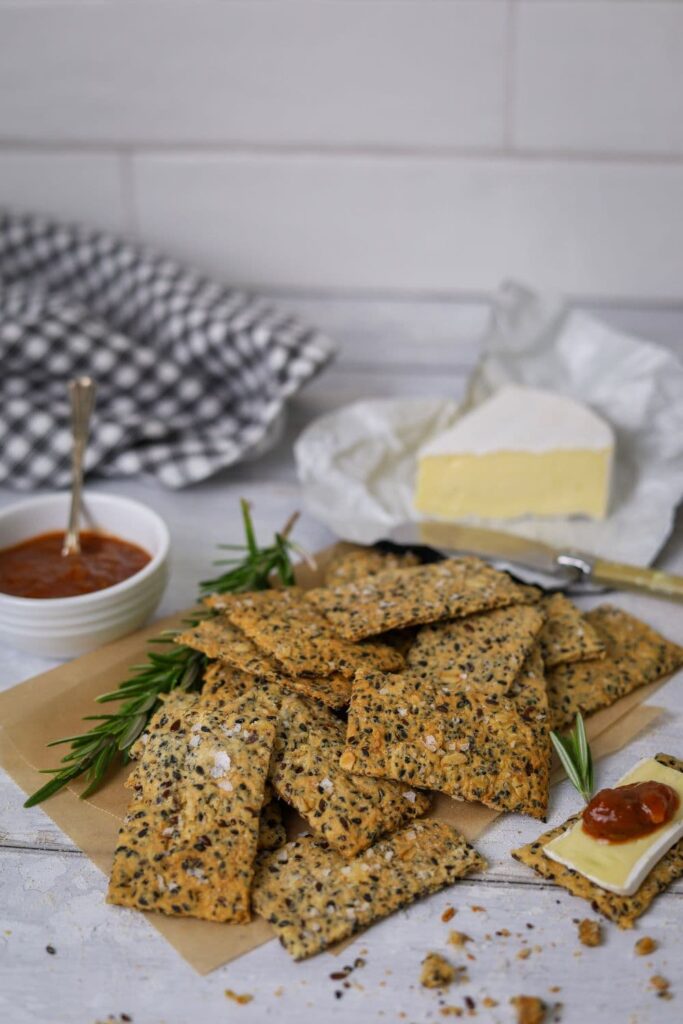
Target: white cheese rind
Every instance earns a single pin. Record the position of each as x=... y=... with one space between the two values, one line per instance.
x=638 y=856
x=523 y=419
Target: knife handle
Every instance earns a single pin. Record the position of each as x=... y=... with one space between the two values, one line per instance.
x=633 y=577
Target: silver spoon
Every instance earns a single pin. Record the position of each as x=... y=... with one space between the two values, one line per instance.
x=82 y=397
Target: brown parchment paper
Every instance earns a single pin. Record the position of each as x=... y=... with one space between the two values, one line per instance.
x=52 y=705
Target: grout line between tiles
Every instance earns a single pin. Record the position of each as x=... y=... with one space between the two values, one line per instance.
x=333 y=151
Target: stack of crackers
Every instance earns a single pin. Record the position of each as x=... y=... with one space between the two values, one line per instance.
x=350 y=704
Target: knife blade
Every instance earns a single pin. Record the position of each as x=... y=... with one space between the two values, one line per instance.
x=567 y=564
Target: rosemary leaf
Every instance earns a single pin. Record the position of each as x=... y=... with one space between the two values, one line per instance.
x=576 y=758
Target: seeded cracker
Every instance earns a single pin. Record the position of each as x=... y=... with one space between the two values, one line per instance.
x=459 y=740
x=349 y=811
x=313 y=897
x=191 y=852
x=223 y=683
x=485 y=650
x=272 y=832
x=157 y=751
x=303 y=642
x=247 y=599
x=623 y=910
x=356 y=565
x=398 y=598
x=567 y=635
x=218 y=638
x=634 y=656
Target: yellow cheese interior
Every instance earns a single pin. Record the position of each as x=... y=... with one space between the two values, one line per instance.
x=612 y=864
x=507 y=484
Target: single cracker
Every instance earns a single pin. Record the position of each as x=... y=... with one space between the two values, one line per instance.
x=567 y=635
x=303 y=643
x=459 y=740
x=350 y=812
x=397 y=598
x=219 y=638
x=623 y=910
x=191 y=853
x=313 y=897
x=635 y=655
x=485 y=650
x=356 y=565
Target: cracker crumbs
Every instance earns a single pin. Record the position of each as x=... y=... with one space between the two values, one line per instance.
x=489 y=1002
x=451 y=1011
x=242 y=1000
x=661 y=986
x=590 y=932
x=437 y=972
x=476 y=909
x=645 y=946
x=524 y=953
x=448 y=914
x=530 y=1009
x=458 y=938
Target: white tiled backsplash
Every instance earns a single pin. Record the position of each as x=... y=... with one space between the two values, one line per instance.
x=380 y=145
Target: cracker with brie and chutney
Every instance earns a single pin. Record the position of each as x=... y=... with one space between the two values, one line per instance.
x=485 y=650
x=567 y=635
x=456 y=738
x=191 y=851
x=398 y=598
x=620 y=879
x=349 y=811
x=635 y=655
x=314 y=897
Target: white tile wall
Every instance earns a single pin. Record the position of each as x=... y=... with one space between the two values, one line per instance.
x=76 y=185
x=600 y=76
x=398 y=145
x=428 y=224
x=290 y=73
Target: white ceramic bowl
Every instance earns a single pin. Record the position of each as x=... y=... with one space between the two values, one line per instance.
x=64 y=627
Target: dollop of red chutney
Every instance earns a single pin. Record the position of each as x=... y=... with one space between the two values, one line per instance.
x=630 y=812
x=37 y=568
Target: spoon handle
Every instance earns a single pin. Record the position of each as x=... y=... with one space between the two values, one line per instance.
x=82 y=397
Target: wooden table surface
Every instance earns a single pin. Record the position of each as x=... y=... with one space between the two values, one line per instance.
x=109 y=964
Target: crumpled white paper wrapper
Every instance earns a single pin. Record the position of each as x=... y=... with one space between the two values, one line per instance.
x=357 y=465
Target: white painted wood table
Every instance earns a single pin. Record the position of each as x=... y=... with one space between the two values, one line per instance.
x=108 y=962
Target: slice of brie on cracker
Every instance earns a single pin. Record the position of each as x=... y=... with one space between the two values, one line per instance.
x=524 y=451
x=621 y=867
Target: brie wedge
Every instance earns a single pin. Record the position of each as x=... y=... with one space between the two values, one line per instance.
x=522 y=452
x=622 y=867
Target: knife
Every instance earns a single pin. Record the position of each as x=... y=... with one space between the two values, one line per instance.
x=568 y=565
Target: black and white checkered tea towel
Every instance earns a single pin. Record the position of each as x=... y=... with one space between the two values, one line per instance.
x=191 y=377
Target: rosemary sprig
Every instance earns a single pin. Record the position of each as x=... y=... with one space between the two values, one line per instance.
x=575 y=755
x=174 y=667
